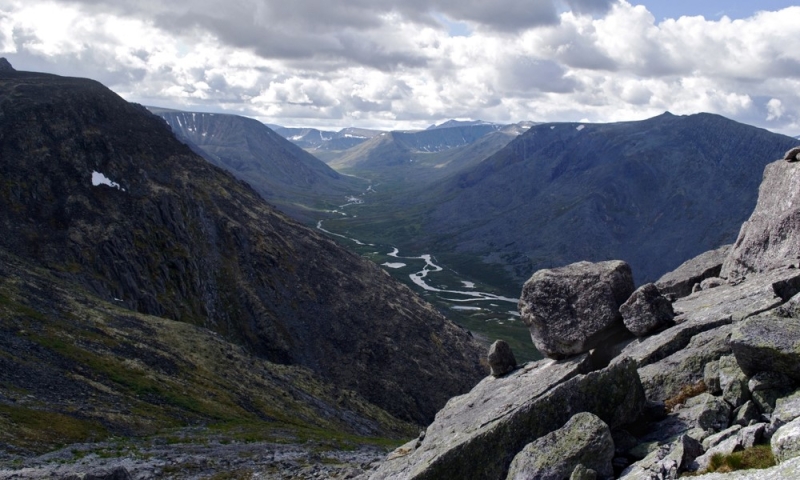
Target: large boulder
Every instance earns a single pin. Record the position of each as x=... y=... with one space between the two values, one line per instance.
x=584 y=440
x=476 y=435
x=680 y=281
x=572 y=309
x=768 y=343
x=770 y=239
x=785 y=442
x=646 y=311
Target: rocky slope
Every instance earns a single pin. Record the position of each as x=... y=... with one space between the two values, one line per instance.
x=673 y=396
x=652 y=193
x=75 y=368
x=101 y=193
x=284 y=174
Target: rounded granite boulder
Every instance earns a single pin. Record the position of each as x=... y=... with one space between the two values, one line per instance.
x=572 y=309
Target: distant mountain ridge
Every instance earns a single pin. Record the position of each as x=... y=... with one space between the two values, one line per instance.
x=283 y=173
x=566 y=192
x=423 y=156
x=313 y=139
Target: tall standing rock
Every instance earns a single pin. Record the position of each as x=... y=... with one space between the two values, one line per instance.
x=770 y=239
x=572 y=309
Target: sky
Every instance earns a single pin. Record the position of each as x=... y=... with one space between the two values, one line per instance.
x=404 y=64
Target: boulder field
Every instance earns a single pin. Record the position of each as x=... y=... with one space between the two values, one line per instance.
x=643 y=383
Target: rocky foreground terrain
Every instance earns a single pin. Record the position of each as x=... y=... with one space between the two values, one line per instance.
x=671 y=378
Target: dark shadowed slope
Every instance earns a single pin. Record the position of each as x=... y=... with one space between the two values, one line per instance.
x=99 y=191
x=653 y=193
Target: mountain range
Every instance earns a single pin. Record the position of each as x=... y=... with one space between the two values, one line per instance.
x=564 y=192
x=143 y=287
x=282 y=173
x=321 y=140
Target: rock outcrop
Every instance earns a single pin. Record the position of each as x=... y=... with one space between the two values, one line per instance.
x=770 y=238
x=477 y=435
x=680 y=281
x=768 y=343
x=584 y=440
x=572 y=309
x=718 y=377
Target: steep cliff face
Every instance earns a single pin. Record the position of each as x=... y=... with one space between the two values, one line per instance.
x=100 y=191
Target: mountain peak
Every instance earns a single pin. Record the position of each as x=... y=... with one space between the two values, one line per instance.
x=5 y=65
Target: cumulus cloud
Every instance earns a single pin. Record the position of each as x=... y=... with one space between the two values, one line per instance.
x=395 y=64
x=774 y=109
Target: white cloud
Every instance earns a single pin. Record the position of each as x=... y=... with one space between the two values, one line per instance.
x=774 y=109
x=392 y=64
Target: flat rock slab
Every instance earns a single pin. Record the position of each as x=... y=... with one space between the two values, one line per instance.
x=709 y=309
x=664 y=379
x=476 y=435
x=680 y=281
x=572 y=309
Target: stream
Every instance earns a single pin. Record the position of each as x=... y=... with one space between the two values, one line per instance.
x=489 y=315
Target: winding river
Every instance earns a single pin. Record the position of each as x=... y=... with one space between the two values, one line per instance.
x=419 y=279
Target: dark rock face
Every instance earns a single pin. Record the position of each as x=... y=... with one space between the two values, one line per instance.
x=119 y=473
x=501 y=358
x=584 y=440
x=100 y=191
x=646 y=311
x=571 y=309
x=770 y=239
x=680 y=281
x=5 y=65
x=664 y=378
x=477 y=435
